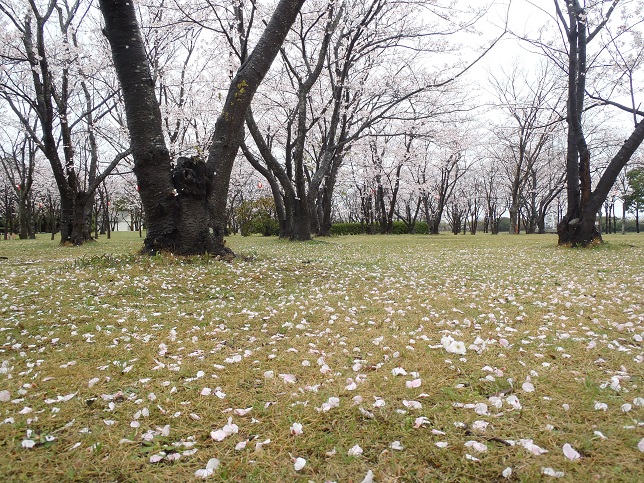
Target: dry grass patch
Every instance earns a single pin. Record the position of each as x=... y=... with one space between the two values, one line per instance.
x=406 y=358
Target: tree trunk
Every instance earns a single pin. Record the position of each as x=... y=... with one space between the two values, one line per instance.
x=581 y=231
x=327 y=198
x=623 y=219
x=81 y=229
x=183 y=205
x=23 y=216
x=514 y=220
x=577 y=227
x=301 y=221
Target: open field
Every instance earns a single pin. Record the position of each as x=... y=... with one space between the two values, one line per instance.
x=115 y=367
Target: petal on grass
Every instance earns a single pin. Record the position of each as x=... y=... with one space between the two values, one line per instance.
x=296 y=429
x=155 y=458
x=28 y=443
x=288 y=378
x=218 y=435
x=299 y=464
x=481 y=409
x=397 y=446
x=412 y=404
x=241 y=445
x=551 y=472
x=355 y=451
x=476 y=446
x=421 y=421
x=209 y=470
x=533 y=448
x=527 y=387
x=571 y=453
x=368 y=477
x=413 y=383
x=242 y=411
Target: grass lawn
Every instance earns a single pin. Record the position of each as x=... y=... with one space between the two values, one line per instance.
x=400 y=358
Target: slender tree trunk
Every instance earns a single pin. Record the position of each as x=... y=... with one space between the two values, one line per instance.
x=23 y=216
x=623 y=219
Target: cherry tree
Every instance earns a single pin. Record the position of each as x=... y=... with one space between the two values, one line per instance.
x=185 y=206
x=582 y=25
x=18 y=160
x=530 y=100
x=494 y=194
x=375 y=72
x=446 y=167
x=57 y=93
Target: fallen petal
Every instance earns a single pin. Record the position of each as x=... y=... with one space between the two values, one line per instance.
x=296 y=429
x=570 y=452
x=368 y=477
x=299 y=464
x=355 y=451
x=552 y=472
x=397 y=446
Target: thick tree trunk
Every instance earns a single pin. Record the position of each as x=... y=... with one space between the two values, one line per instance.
x=301 y=221
x=66 y=217
x=581 y=230
x=81 y=227
x=327 y=197
x=325 y=222
x=514 y=220
x=183 y=205
x=434 y=225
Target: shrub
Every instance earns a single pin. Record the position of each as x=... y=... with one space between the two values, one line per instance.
x=399 y=228
x=258 y=216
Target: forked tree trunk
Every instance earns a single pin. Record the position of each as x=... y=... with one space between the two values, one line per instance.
x=577 y=227
x=581 y=230
x=185 y=208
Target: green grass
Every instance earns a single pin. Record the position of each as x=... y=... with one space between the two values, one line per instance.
x=123 y=336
